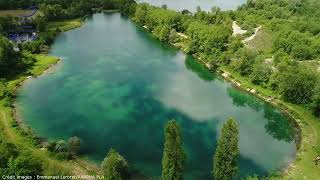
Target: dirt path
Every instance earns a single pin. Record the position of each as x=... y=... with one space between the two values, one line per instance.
x=6 y=125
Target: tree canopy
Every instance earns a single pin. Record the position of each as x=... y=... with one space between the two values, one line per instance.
x=173 y=155
x=225 y=161
x=114 y=166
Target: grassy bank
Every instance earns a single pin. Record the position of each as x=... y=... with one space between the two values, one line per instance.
x=66 y=25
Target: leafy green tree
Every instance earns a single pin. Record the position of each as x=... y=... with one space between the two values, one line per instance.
x=235 y=44
x=244 y=64
x=173 y=155
x=261 y=73
x=114 y=166
x=1 y=29
x=296 y=84
x=316 y=100
x=25 y=165
x=225 y=162
x=164 y=6
x=3 y=90
x=8 y=58
x=162 y=32
x=74 y=145
x=141 y=13
x=209 y=40
x=60 y=146
x=41 y=23
x=7 y=151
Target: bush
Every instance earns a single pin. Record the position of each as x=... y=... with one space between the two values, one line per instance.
x=24 y=165
x=296 y=84
x=261 y=73
x=316 y=101
x=114 y=166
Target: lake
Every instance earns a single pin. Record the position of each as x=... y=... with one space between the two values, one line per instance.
x=192 y=5
x=117 y=86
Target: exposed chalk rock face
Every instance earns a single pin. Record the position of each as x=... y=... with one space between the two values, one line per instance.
x=237 y=29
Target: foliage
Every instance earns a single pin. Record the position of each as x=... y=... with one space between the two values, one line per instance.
x=316 y=100
x=225 y=162
x=296 y=84
x=7 y=151
x=114 y=166
x=162 y=32
x=261 y=73
x=210 y=40
x=255 y=177
x=74 y=145
x=24 y=165
x=64 y=150
x=8 y=58
x=244 y=62
x=173 y=155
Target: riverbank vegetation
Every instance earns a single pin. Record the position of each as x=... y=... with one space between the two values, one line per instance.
x=277 y=71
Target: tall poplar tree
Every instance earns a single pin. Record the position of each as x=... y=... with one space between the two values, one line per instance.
x=225 y=161
x=173 y=155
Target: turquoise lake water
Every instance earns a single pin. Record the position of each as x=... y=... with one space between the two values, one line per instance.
x=117 y=86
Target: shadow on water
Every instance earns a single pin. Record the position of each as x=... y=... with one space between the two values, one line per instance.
x=199 y=69
x=242 y=99
x=277 y=125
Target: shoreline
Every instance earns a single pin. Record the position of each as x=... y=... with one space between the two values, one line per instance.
x=16 y=114
x=22 y=127
x=48 y=70
x=292 y=116
x=276 y=103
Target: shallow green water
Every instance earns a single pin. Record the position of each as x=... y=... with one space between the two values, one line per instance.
x=117 y=86
x=192 y=5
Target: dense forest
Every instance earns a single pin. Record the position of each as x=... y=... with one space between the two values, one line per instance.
x=284 y=65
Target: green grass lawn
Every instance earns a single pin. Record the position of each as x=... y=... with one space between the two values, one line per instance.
x=14 y=13
x=42 y=63
x=65 y=25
